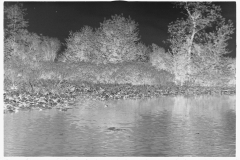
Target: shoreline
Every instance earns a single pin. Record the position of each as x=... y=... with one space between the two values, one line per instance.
x=23 y=100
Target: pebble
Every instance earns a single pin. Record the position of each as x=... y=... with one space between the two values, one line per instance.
x=48 y=100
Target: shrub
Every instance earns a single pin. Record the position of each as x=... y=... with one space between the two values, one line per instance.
x=160 y=59
x=117 y=38
x=143 y=52
x=17 y=73
x=137 y=73
x=222 y=74
x=180 y=69
x=80 y=45
x=49 y=48
x=31 y=47
x=121 y=73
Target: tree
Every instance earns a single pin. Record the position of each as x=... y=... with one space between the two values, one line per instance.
x=201 y=35
x=28 y=47
x=117 y=38
x=14 y=18
x=14 y=25
x=80 y=44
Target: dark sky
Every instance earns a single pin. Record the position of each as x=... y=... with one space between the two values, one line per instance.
x=56 y=19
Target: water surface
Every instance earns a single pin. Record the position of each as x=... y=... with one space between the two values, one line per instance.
x=167 y=126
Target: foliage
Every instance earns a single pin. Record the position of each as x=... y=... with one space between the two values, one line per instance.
x=23 y=50
x=199 y=16
x=14 y=25
x=179 y=68
x=222 y=74
x=80 y=45
x=14 y=19
x=136 y=73
x=143 y=52
x=160 y=59
x=229 y=70
x=31 y=47
x=18 y=73
x=28 y=47
x=49 y=47
x=116 y=40
x=19 y=43
x=200 y=37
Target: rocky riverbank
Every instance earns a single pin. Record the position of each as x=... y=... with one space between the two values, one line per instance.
x=21 y=100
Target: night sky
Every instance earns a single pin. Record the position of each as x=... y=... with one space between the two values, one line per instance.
x=56 y=19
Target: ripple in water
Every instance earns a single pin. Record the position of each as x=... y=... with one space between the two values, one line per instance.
x=168 y=126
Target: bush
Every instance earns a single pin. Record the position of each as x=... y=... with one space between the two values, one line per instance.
x=118 y=37
x=115 y=41
x=138 y=73
x=160 y=59
x=17 y=73
x=223 y=74
x=121 y=73
x=80 y=45
x=31 y=47
x=180 y=69
x=49 y=47
x=143 y=52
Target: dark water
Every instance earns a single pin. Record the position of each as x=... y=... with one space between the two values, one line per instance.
x=170 y=126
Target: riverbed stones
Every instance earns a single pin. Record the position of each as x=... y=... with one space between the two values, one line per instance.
x=48 y=100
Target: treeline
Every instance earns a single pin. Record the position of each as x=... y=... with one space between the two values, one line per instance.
x=198 y=43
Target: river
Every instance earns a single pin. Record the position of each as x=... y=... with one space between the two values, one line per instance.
x=202 y=126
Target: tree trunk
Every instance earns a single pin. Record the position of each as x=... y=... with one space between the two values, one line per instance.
x=190 y=43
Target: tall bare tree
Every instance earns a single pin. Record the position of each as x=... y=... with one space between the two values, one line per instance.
x=202 y=32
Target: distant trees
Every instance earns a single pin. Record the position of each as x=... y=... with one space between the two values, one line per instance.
x=20 y=43
x=24 y=50
x=14 y=21
x=14 y=25
x=199 y=40
x=198 y=43
x=116 y=40
x=80 y=44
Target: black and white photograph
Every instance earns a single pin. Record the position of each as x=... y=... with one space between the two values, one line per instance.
x=119 y=79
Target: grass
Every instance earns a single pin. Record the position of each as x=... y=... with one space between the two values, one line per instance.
x=122 y=73
x=51 y=77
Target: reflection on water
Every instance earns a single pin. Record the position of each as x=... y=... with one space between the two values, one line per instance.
x=168 y=126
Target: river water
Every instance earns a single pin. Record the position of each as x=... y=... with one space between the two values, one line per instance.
x=167 y=126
